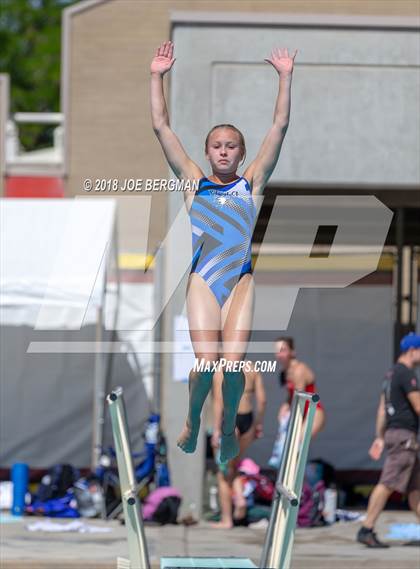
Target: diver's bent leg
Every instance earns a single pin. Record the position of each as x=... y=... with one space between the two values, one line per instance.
x=236 y=321
x=199 y=386
x=232 y=389
x=203 y=314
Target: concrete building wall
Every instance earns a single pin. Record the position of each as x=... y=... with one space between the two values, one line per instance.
x=355 y=97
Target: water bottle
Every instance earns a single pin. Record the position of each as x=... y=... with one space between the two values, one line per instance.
x=213 y=499
x=152 y=429
x=330 y=506
x=20 y=478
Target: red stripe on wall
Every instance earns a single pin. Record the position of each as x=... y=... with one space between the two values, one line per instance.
x=34 y=187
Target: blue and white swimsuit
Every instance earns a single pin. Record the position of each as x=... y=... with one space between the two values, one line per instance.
x=222 y=221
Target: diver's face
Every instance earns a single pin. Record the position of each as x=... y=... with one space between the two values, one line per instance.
x=224 y=151
x=284 y=354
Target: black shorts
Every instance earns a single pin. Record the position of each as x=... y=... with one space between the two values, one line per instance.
x=244 y=422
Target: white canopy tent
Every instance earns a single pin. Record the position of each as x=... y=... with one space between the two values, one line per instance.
x=55 y=257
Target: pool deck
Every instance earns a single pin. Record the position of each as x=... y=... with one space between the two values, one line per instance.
x=332 y=547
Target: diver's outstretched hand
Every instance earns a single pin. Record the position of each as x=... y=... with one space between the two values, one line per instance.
x=163 y=59
x=281 y=60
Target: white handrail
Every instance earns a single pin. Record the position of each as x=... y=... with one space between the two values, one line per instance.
x=39 y=118
x=137 y=546
x=284 y=510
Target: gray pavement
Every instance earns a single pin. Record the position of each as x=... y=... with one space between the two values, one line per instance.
x=318 y=548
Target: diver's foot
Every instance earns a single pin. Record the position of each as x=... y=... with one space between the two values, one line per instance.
x=221 y=525
x=187 y=440
x=229 y=446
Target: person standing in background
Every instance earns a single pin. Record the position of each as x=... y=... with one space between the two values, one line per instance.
x=295 y=375
x=397 y=426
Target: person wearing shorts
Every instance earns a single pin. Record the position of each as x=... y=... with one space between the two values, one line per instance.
x=397 y=426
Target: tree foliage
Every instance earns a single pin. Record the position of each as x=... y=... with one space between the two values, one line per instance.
x=30 y=40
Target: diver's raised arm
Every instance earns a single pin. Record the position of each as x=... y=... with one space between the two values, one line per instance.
x=260 y=170
x=182 y=166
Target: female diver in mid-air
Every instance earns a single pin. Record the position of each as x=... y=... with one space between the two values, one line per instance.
x=220 y=291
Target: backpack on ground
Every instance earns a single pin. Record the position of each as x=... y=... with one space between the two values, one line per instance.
x=264 y=489
x=56 y=482
x=162 y=505
x=167 y=511
x=311 y=505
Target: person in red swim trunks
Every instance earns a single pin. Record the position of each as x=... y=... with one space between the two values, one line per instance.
x=296 y=375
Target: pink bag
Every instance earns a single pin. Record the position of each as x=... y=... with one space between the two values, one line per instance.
x=156 y=498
